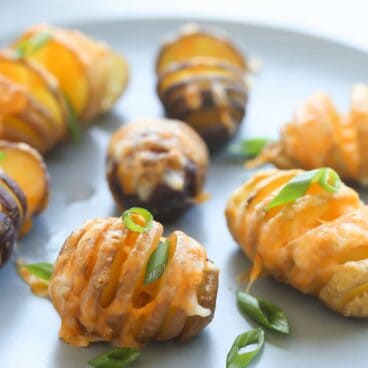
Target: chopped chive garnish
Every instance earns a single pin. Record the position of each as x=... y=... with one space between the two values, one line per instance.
x=31 y=45
x=236 y=360
x=129 y=222
x=72 y=121
x=157 y=263
x=327 y=178
x=248 y=148
x=42 y=270
x=265 y=313
x=115 y=358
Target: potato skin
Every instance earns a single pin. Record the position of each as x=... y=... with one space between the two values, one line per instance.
x=160 y=165
x=13 y=210
x=204 y=86
x=98 y=286
x=8 y=236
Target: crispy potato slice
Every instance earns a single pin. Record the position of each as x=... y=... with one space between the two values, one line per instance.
x=90 y=74
x=23 y=119
x=197 y=67
x=192 y=41
x=27 y=168
x=40 y=85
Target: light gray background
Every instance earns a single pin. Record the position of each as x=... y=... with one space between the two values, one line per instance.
x=295 y=66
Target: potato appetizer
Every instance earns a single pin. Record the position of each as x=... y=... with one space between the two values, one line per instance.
x=13 y=211
x=91 y=75
x=316 y=242
x=157 y=164
x=318 y=135
x=202 y=81
x=27 y=169
x=105 y=288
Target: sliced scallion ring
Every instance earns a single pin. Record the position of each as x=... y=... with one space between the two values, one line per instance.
x=157 y=263
x=327 y=178
x=236 y=360
x=265 y=313
x=129 y=222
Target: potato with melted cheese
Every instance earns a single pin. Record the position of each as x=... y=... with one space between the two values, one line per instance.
x=317 y=244
x=13 y=211
x=160 y=165
x=91 y=75
x=26 y=167
x=318 y=135
x=98 y=287
x=202 y=81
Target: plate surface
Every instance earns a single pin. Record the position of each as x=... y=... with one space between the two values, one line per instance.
x=295 y=66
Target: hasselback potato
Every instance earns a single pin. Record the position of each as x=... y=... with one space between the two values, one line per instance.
x=160 y=165
x=51 y=79
x=13 y=210
x=318 y=243
x=98 y=286
x=90 y=74
x=202 y=81
x=318 y=135
x=25 y=166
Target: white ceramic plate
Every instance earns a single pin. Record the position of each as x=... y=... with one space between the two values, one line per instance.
x=295 y=66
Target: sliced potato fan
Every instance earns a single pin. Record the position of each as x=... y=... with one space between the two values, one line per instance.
x=317 y=243
x=202 y=81
x=90 y=74
x=100 y=291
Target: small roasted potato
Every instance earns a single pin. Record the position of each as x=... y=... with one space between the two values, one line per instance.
x=98 y=286
x=319 y=135
x=89 y=73
x=26 y=167
x=157 y=164
x=318 y=243
x=202 y=80
x=13 y=211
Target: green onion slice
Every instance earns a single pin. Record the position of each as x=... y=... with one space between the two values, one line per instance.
x=248 y=148
x=2 y=155
x=131 y=225
x=157 y=263
x=30 y=46
x=115 y=358
x=265 y=313
x=327 y=178
x=236 y=360
x=72 y=121
x=42 y=270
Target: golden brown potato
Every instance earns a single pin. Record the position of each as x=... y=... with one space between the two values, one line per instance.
x=26 y=167
x=13 y=211
x=23 y=119
x=89 y=73
x=202 y=81
x=160 y=165
x=42 y=87
x=318 y=244
x=318 y=135
x=99 y=292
